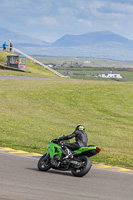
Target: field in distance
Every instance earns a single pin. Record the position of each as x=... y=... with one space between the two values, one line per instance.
x=85 y=68
x=90 y=62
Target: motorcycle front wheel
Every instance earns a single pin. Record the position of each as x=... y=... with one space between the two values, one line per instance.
x=84 y=169
x=44 y=163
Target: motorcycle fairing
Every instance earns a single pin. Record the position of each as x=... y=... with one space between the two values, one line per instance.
x=54 y=149
x=83 y=149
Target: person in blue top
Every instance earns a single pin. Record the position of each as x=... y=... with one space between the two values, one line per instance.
x=4 y=46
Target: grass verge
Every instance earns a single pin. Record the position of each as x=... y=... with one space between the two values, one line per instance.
x=32 y=69
x=32 y=112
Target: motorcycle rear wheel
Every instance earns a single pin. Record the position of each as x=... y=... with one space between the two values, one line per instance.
x=84 y=169
x=44 y=163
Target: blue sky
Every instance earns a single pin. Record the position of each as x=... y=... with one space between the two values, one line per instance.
x=49 y=20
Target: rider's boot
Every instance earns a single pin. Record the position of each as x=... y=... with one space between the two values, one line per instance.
x=68 y=153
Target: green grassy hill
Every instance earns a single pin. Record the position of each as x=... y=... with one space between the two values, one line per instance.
x=32 y=69
x=33 y=112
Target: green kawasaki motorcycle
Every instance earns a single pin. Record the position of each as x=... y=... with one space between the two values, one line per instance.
x=61 y=158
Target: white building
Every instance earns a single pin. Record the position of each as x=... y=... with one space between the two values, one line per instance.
x=109 y=75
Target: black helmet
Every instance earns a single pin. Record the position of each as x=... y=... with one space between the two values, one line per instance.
x=80 y=127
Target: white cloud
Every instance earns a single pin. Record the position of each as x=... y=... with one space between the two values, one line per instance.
x=43 y=20
x=50 y=21
x=102 y=9
x=85 y=22
x=32 y=21
x=122 y=8
x=66 y=11
x=14 y=4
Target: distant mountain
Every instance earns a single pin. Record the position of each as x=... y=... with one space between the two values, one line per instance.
x=18 y=39
x=94 y=38
x=100 y=44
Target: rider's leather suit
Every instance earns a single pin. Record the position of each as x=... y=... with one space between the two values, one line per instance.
x=80 y=138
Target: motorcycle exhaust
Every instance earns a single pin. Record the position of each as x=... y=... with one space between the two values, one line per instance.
x=76 y=163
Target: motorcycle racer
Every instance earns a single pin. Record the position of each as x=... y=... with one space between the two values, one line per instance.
x=81 y=138
x=69 y=156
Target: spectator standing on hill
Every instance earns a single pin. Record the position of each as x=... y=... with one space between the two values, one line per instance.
x=10 y=46
x=4 y=46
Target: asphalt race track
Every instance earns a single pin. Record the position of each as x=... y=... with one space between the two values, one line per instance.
x=26 y=77
x=21 y=180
